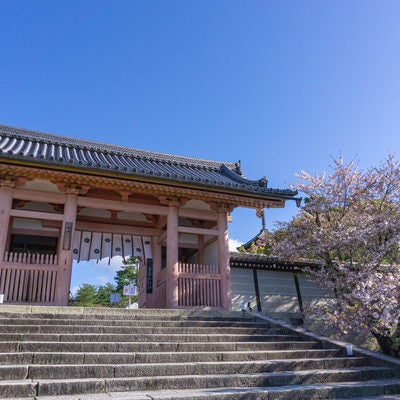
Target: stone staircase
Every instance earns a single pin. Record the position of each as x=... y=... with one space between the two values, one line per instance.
x=76 y=353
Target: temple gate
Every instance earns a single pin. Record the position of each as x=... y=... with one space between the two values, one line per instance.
x=65 y=199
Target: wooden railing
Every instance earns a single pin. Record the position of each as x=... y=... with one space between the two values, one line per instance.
x=29 y=277
x=198 y=268
x=30 y=258
x=199 y=285
x=32 y=286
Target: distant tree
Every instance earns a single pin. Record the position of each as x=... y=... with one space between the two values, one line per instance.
x=350 y=222
x=86 y=295
x=103 y=293
x=127 y=275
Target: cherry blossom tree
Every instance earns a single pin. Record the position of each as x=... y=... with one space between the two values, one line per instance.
x=350 y=223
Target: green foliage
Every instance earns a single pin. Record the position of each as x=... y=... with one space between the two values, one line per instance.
x=91 y=296
x=103 y=295
x=85 y=297
x=127 y=275
x=99 y=296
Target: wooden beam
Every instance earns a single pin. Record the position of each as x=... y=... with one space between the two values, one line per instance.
x=42 y=197
x=122 y=206
x=198 y=214
x=198 y=231
x=32 y=232
x=115 y=221
x=52 y=224
x=112 y=228
x=6 y=193
x=185 y=245
x=36 y=215
x=172 y=295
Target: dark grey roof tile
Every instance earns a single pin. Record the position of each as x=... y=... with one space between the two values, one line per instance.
x=21 y=144
x=263 y=261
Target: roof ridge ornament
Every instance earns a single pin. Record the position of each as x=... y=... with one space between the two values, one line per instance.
x=238 y=168
x=231 y=173
x=261 y=214
x=263 y=182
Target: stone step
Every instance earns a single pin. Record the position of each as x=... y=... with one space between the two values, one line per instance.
x=43 y=358
x=354 y=390
x=78 y=371
x=140 y=330
x=133 y=322
x=71 y=313
x=136 y=346
x=59 y=352
x=362 y=391
x=58 y=387
x=170 y=337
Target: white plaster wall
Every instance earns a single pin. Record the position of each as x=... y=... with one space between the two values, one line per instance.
x=197 y=205
x=31 y=224
x=277 y=291
x=40 y=185
x=131 y=216
x=41 y=207
x=187 y=238
x=211 y=253
x=95 y=212
x=243 y=290
x=310 y=292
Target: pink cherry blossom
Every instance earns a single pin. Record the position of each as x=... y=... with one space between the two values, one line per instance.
x=350 y=224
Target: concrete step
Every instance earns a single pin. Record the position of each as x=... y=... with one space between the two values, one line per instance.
x=43 y=358
x=56 y=371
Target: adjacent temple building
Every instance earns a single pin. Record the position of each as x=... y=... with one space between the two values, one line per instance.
x=65 y=200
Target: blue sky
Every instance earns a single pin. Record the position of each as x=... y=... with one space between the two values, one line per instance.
x=281 y=85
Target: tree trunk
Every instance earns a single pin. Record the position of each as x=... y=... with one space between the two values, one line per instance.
x=387 y=344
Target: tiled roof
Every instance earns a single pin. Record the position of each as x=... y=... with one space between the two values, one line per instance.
x=260 y=235
x=22 y=145
x=262 y=261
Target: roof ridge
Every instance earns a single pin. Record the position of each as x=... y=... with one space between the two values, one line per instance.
x=109 y=148
x=23 y=145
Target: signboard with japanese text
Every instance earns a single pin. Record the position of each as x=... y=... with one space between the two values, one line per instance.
x=130 y=290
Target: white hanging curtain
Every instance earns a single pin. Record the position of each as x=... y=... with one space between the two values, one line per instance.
x=77 y=245
x=147 y=247
x=116 y=245
x=138 y=247
x=86 y=240
x=127 y=246
x=95 y=248
x=104 y=246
